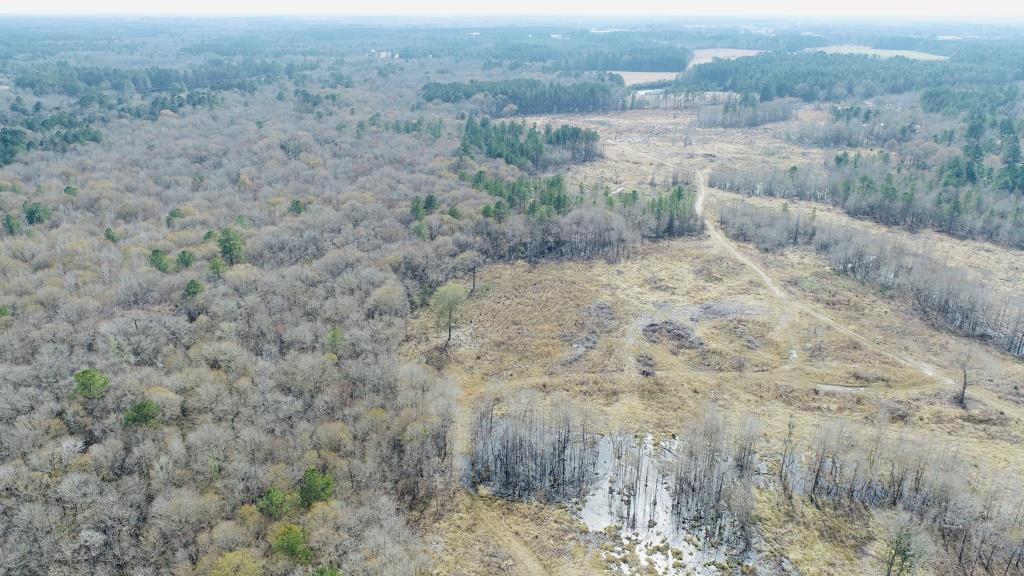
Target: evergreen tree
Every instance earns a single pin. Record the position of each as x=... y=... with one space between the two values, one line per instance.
x=232 y=246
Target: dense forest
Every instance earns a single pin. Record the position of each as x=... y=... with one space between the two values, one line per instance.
x=814 y=76
x=206 y=273
x=529 y=96
x=529 y=148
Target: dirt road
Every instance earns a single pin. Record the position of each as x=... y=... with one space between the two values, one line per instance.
x=790 y=302
x=526 y=563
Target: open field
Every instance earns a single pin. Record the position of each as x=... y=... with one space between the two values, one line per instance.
x=700 y=56
x=634 y=78
x=851 y=49
x=705 y=55
x=784 y=337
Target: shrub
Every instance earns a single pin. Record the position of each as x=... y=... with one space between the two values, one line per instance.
x=290 y=540
x=158 y=259
x=35 y=213
x=273 y=503
x=237 y=563
x=12 y=224
x=175 y=214
x=143 y=413
x=185 y=259
x=192 y=289
x=217 y=267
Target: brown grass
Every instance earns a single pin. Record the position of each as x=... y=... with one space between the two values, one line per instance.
x=633 y=78
x=881 y=53
x=517 y=333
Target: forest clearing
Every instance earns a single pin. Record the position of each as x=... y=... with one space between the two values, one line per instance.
x=881 y=53
x=842 y=350
x=345 y=297
x=705 y=55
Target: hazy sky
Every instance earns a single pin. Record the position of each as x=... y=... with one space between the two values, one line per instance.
x=926 y=9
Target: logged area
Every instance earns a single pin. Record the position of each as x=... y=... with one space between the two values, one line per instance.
x=307 y=297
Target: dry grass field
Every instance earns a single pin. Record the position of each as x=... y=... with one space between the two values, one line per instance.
x=705 y=55
x=700 y=56
x=820 y=347
x=881 y=53
x=633 y=78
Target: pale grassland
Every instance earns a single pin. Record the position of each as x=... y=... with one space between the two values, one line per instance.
x=633 y=78
x=700 y=56
x=705 y=55
x=851 y=49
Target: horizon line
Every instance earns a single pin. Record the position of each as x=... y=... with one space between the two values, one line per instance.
x=774 y=17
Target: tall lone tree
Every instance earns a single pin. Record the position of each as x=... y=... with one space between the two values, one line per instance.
x=964 y=361
x=232 y=246
x=445 y=306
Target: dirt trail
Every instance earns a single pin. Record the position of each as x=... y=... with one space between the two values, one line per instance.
x=527 y=563
x=790 y=303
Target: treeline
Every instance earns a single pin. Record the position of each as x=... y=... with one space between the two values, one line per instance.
x=745 y=113
x=878 y=188
x=541 y=196
x=942 y=505
x=531 y=447
x=527 y=147
x=528 y=96
x=554 y=49
x=38 y=128
x=856 y=127
x=245 y=75
x=711 y=478
x=644 y=59
x=945 y=295
x=814 y=76
x=948 y=518
x=582 y=144
x=956 y=100
x=433 y=128
x=536 y=218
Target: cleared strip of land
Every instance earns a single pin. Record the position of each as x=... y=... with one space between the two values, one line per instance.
x=852 y=49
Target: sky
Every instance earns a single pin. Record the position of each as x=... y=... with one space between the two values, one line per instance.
x=974 y=10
